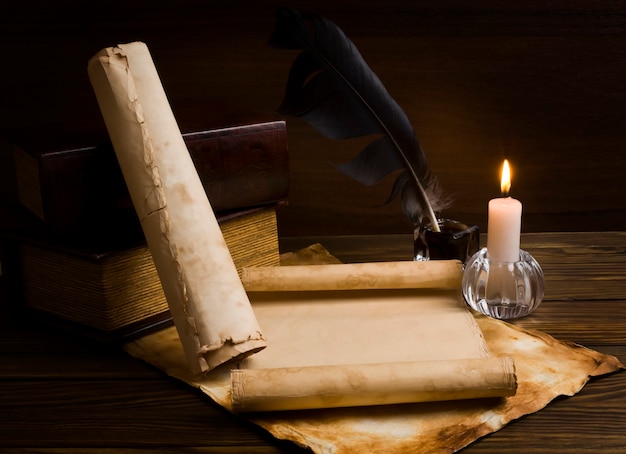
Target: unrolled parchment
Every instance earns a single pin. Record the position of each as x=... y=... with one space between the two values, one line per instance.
x=545 y=368
x=364 y=334
x=332 y=333
x=209 y=306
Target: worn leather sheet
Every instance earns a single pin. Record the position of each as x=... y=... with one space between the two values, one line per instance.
x=545 y=369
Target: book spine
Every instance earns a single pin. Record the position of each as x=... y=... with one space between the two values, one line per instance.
x=242 y=166
x=82 y=191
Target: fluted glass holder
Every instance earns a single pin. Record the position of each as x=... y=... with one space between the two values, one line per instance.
x=503 y=290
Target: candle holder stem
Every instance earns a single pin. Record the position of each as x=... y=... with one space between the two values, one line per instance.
x=503 y=290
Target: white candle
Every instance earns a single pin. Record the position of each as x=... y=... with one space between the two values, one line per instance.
x=505 y=222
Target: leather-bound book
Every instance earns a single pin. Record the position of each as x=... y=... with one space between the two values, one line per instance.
x=114 y=293
x=75 y=186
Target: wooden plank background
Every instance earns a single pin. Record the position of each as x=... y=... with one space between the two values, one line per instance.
x=540 y=82
x=64 y=394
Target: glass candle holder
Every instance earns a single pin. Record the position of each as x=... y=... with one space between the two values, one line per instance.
x=503 y=290
x=455 y=240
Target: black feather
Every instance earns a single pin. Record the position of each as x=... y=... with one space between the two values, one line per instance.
x=331 y=87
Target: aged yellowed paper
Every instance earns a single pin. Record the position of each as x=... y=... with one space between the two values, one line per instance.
x=545 y=368
x=364 y=334
x=210 y=308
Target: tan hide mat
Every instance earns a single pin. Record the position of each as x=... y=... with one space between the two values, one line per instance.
x=545 y=368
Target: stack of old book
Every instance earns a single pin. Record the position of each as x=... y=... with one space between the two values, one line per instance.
x=86 y=264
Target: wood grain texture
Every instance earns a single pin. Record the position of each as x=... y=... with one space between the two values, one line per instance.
x=62 y=393
x=541 y=82
x=597 y=259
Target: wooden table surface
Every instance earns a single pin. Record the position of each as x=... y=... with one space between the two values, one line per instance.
x=62 y=393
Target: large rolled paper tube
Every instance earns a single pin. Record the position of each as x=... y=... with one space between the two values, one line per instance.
x=209 y=306
x=445 y=274
x=314 y=387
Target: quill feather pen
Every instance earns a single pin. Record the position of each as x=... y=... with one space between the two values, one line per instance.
x=331 y=87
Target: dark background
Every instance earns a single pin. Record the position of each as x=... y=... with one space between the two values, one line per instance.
x=540 y=82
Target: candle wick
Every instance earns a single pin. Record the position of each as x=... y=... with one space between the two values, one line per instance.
x=505 y=193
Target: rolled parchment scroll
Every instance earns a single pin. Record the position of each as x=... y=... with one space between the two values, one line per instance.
x=444 y=274
x=348 y=335
x=313 y=387
x=209 y=306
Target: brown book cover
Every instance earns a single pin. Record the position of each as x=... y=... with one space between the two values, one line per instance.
x=74 y=184
x=115 y=294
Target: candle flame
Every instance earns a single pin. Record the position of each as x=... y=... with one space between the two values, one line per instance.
x=505 y=181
